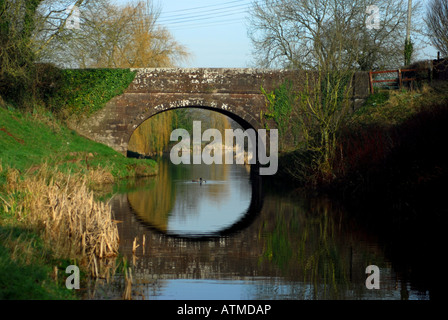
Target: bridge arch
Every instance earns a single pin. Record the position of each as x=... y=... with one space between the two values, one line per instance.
x=234 y=92
x=242 y=117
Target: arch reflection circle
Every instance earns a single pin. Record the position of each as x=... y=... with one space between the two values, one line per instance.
x=177 y=203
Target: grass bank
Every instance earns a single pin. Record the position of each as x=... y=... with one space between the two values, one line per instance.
x=49 y=217
x=28 y=140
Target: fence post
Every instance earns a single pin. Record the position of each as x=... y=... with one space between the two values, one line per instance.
x=371 y=82
x=399 y=79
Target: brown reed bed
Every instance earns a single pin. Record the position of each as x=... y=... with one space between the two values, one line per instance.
x=63 y=209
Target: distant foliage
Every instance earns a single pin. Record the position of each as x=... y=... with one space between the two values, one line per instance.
x=82 y=92
x=153 y=136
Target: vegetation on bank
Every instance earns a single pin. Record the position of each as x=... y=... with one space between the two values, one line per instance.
x=393 y=146
x=46 y=170
x=28 y=140
x=47 y=173
x=27 y=267
x=84 y=91
x=393 y=141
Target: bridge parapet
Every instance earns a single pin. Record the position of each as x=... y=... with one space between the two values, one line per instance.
x=233 y=92
x=207 y=80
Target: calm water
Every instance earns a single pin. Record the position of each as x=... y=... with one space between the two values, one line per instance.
x=236 y=237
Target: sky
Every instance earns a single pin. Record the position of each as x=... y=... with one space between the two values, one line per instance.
x=215 y=31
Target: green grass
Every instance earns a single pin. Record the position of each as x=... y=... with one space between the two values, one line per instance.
x=25 y=266
x=392 y=147
x=28 y=141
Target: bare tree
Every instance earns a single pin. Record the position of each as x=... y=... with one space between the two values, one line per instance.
x=146 y=44
x=437 y=24
x=312 y=33
x=51 y=21
x=115 y=36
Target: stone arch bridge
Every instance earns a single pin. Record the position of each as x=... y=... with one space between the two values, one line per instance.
x=233 y=92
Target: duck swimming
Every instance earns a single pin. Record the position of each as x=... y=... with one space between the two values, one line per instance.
x=199 y=180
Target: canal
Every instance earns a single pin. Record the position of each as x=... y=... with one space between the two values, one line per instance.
x=235 y=236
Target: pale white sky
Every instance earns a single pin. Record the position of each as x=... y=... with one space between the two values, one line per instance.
x=215 y=31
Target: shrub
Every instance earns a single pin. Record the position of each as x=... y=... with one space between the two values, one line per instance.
x=84 y=91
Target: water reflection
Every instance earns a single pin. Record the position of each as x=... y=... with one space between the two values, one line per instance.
x=177 y=204
x=293 y=248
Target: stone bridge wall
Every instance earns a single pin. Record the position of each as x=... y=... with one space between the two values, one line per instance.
x=233 y=92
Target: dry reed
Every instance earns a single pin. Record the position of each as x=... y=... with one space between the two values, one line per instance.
x=65 y=211
x=135 y=245
x=127 y=294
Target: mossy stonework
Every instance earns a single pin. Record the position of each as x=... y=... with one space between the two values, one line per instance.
x=233 y=92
